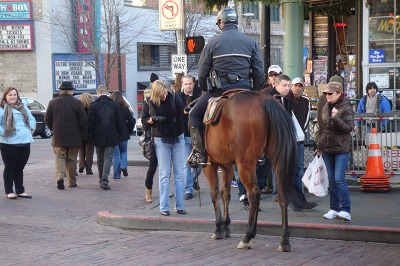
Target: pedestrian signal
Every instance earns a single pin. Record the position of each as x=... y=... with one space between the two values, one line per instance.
x=194 y=45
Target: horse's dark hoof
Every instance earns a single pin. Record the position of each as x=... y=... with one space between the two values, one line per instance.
x=227 y=232
x=284 y=248
x=243 y=245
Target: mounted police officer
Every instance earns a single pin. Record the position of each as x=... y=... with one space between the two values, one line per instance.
x=229 y=60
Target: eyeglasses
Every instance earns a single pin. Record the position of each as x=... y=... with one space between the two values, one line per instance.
x=273 y=74
x=329 y=93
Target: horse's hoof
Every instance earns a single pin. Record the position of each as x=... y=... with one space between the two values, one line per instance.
x=284 y=248
x=228 y=233
x=243 y=245
x=217 y=236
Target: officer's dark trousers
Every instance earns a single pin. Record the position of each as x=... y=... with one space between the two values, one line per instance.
x=197 y=113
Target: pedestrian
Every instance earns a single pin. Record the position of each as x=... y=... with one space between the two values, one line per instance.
x=120 y=161
x=337 y=117
x=16 y=127
x=273 y=72
x=188 y=95
x=280 y=89
x=374 y=102
x=104 y=128
x=153 y=162
x=66 y=118
x=147 y=91
x=178 y=82
x=301 y=108
x=229 y=60
x=165 y=116
x=86 y=149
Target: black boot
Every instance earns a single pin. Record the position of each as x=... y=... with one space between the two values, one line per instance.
x=197 y=157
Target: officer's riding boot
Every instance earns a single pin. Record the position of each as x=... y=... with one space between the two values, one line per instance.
x=198 y=156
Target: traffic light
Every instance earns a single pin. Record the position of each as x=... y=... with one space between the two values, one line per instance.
x=194 y=45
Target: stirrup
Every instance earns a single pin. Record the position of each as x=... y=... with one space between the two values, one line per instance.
x=196 y=160
x=261 y=160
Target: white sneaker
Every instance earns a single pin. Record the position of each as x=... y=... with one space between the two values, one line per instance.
x=241 y=199
x=345 y=216
x=330 y=214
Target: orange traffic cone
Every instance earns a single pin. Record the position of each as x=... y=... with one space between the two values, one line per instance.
x=374 y=178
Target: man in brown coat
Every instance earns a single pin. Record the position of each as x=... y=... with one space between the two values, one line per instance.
x=66 y=118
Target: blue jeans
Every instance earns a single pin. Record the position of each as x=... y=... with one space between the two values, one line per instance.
x=336 y=164
x=120 y=160
x=188 y=172
x=299 y=170
x=165 y=154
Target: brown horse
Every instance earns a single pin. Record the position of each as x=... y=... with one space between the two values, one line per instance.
x=252 y=123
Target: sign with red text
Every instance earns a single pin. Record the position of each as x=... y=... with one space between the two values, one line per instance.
x=171 y=14
x=79 y=69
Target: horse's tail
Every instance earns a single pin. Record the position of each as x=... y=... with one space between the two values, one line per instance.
x=282 y=147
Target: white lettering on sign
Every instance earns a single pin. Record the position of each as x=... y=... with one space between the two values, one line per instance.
x=15 y=37
x=81 y=73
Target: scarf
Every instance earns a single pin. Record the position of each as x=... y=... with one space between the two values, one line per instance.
x=9 y=117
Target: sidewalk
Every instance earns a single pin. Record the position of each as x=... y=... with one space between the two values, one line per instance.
x=375 y=216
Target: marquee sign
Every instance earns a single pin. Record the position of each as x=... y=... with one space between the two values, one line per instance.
x=79 y=69
x=16 y=36
x=16 y=10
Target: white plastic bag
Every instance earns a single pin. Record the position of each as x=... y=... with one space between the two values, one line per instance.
x=316 y=177
x=299 y=131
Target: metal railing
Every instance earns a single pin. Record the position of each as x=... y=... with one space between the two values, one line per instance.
x=388 y=135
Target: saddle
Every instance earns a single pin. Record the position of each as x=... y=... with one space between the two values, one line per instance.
x=215 y=104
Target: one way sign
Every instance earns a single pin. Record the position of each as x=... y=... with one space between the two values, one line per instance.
x=178 y=64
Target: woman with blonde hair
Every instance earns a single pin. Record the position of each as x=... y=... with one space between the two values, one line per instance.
x=120 y=161
x=164 y=114
x=86 y=149
x=16 y=127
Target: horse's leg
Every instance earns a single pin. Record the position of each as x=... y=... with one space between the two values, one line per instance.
x=211 y=172
x=227 y=176
x=284 y=245
x=247 y=174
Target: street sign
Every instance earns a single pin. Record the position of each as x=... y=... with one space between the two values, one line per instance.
x=171 y=14
x=178 y=64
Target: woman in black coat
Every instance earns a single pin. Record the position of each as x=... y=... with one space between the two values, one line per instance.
x=120 y=161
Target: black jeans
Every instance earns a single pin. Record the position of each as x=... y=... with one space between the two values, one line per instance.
x=152 y=169
x=15 y=158
x=196 y=115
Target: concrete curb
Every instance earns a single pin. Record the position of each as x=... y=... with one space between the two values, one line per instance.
x=309 y=230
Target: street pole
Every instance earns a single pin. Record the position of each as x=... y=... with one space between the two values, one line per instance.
x=119 y=57
x=266 y=36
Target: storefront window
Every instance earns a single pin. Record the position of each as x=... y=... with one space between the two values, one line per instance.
x=382 y=8
x=384 y=48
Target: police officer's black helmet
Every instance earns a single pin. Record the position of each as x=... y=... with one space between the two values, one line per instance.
x=228 y=15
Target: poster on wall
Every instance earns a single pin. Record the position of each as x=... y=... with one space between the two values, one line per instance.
x=16 y=36
x=79 y=69
x=381 y=80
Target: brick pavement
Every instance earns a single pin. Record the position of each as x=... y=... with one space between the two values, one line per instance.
x=59 y=228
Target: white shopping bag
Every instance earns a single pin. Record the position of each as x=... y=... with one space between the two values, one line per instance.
x=316 y=177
